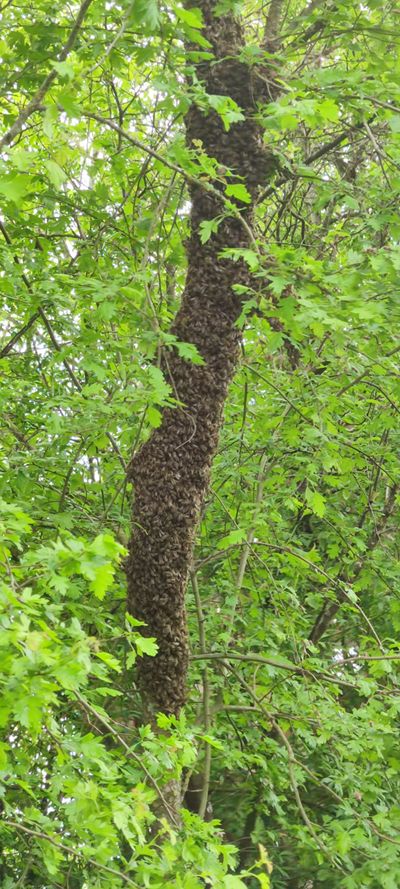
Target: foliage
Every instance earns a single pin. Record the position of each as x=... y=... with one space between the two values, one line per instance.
x=292 y=733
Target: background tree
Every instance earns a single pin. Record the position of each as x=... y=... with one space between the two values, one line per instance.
x=232 y=166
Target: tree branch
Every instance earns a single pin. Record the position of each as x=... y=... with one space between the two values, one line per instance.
x=258 y=659
x=41 y=835
x=272 y=26
x=19 y=334
x=316 y=155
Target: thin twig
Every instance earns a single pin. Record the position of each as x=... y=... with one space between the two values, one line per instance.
x=39 y=834
x=19 y=333
x=119 y=34
x=206 y=699
x=364 y=374
x=258 y=659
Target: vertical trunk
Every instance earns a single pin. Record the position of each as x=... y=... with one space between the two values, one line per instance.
x=171 y=471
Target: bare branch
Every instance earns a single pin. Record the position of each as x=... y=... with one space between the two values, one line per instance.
x=272 y=26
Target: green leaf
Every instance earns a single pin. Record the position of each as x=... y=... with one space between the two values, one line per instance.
x=107 y=309
x=208 y=227
x=192 y=17
x=28 y=712
x=21 y=159
x=49 y=118
x=263 y=880
x=110 y=660
x=160 y=388
x=131 y=659
x=70 y=674
x=103 y=579
x=189 y=352
x=329 y=110
x=394 y=123
x=146 y=645
x=52 y=856
x=106 y=691
x=227 y=108
x=251 y=258
x=105 y=544
x=342 y=842
x=66 y=97
x=232 y=882
x=56 y=174
x=239 y=192
x=351 y=595
x=64 y=69
x=146 y=12
x=213 y=742
x=316 y=502
x=235 y=536
x=14 y=188
x=3 y=756
x=154 y=417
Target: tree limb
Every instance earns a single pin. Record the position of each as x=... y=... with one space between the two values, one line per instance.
x=316 y=155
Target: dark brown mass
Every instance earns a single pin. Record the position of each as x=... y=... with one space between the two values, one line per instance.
x=171 y=471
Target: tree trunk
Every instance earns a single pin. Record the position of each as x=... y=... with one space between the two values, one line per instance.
x=171 y=471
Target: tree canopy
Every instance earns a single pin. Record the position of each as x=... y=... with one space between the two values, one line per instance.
x=199 y=278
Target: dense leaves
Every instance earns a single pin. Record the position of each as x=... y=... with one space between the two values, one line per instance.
x=288 y=745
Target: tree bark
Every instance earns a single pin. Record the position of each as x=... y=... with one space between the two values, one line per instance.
x=171 y=471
